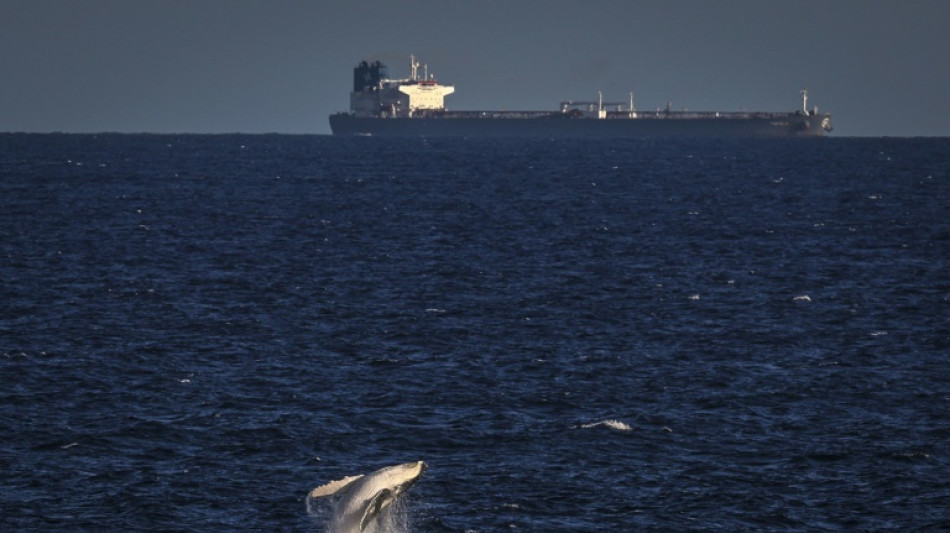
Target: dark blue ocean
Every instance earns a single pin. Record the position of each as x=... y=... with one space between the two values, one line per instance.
x=575 y=336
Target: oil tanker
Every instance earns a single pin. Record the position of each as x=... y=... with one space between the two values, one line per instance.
x=415 y=107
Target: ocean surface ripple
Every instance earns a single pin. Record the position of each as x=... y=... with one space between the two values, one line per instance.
x=575 y=336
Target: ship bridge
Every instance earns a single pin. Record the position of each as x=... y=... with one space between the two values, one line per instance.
x=398 y=97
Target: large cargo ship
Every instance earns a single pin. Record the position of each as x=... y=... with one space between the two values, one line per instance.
x=415 y=107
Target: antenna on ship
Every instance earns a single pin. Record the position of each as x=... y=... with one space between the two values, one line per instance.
x=413 y=67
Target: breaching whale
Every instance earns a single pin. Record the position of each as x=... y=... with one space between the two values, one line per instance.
x=366 y=499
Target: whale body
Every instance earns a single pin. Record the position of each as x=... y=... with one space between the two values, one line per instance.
x=364 y=500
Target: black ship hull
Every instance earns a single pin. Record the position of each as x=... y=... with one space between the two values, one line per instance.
x=559 y=125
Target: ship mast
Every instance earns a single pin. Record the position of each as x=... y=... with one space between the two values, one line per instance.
x=413 y=67
x=805 y=100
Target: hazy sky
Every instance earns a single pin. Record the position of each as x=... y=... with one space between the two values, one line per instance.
x=880 y=67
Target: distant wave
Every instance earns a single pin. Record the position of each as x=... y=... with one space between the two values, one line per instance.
x=609 y=423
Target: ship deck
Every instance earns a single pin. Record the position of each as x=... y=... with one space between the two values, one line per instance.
x=615 y=115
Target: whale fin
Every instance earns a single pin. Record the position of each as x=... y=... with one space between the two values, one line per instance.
x=333 y=487
x=380 y=500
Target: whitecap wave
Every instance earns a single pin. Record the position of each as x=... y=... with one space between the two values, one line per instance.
x=609 y=423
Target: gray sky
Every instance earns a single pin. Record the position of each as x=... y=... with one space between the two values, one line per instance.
x=212 y=66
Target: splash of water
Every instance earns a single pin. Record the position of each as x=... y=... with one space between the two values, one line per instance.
x=612 y=424
x=394 y=519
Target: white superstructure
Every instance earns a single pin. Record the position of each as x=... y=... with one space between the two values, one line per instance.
x=400 y=97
